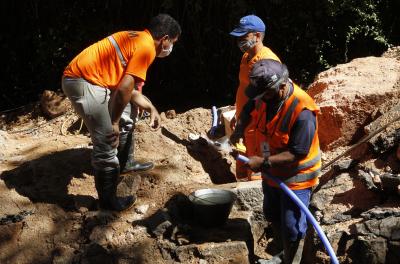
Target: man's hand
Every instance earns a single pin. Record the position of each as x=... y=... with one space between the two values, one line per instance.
x=155 y=119
x=232 y=123
x=255 y=163
x=113 y=137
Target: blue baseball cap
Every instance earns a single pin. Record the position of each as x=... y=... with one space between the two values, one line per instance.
x=247 y=24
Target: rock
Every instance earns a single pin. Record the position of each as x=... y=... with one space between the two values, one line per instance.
x=341 y=183
x=159 y=223
x=347 y=95
x=370 y=250
x=393 y=254
x=390 y=183
x=344 y=165
x=53 y=105
x=387 y=228
x=170 y=114
x=337 y=218
x=227 y=252
x=142 y=209
x=202 y=261
x=249 y=195
x=132 y=217
x=390 y=136
x=186 y=253
x=367 y=179
x=380 y=213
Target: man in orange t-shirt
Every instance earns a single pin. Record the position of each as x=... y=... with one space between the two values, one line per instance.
x=101 y=82
x=250 y=34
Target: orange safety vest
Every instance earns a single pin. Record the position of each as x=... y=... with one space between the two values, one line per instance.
x=246 y=65
x=300 y=174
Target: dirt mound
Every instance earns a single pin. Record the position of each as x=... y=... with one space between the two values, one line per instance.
x=348 y=95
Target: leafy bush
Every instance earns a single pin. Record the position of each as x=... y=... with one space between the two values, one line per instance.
x=309 y=36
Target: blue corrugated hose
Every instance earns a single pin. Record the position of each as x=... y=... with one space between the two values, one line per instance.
x=304 y=208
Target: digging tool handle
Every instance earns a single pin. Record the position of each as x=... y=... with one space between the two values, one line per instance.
x=366 y=138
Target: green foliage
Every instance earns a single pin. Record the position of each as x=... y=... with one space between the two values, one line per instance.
x=309 y=36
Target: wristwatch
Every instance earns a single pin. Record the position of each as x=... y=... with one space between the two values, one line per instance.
x=266 y=164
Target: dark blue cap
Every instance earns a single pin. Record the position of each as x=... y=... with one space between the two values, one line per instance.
x=247 y=24
x=266 y=74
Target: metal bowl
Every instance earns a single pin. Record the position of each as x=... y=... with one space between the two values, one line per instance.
x=211 y=207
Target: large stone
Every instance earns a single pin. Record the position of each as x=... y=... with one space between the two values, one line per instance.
x=380 y=213
x=214 y=253
x=390 y=183
x=388 y=137
x=347 y=95
x=393 y=255
x=249 y=195
x=53 y=105
x=388 y=228
x=370 y=250
x=159 y=223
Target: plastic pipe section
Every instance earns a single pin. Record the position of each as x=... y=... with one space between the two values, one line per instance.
x=214 y=120
x=300 y=204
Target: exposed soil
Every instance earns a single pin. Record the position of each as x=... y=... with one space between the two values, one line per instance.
x=46 y=172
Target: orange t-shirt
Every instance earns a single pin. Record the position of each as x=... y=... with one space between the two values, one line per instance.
x=245 y=68
x=99 y=63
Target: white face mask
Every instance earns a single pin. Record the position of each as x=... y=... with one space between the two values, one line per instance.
x=165 y=52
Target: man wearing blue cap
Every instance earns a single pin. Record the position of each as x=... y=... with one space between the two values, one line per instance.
x=250 y=33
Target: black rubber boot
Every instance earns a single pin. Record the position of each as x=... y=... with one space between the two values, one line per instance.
x=126 y=157
x=106 y=186
x=293 y=251
x=277 y=236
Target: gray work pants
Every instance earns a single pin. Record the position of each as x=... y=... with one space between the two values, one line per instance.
x=91 y=103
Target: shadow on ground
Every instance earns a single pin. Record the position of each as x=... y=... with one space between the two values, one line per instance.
x=213 y=163
x=46 y=179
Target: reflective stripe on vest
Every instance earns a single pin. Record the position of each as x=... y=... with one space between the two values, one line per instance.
x=303 y=177
x=118 y=50
x=309 y=163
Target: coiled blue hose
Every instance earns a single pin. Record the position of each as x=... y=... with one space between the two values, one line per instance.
x=304 y=208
